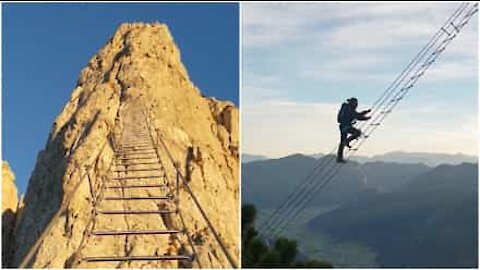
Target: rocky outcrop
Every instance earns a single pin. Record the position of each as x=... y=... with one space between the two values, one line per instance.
x=138 y=69
x=9 y=209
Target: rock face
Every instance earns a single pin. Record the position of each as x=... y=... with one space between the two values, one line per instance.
x=9 y=209
x=138 y=75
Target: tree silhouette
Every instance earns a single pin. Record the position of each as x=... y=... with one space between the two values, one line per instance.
x=256 y=254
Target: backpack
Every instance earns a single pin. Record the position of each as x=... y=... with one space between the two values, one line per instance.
x=341 y=113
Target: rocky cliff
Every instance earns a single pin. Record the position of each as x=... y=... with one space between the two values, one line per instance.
x=135 y=88
x=9 y=209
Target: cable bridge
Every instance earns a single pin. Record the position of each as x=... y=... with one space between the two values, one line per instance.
x=327 y=168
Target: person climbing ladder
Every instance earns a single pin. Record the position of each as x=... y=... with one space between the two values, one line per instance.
x=346 y=118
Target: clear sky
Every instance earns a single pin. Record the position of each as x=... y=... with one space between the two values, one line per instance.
x=44 y=47
x=301 y=61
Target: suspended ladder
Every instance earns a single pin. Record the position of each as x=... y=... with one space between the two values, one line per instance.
x=327 y=168
x=139 y=176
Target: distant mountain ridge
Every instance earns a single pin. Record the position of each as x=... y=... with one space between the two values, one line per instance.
x=432 y=221
x=265 y=183
x=429 y=159
x=250 y=158
x=400 y=214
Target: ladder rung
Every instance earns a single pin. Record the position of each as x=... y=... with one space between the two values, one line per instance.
x=135 y=144
x=145 y=144
x=134 y=153
x=134 y=135
x=128 y=145
x=138 y=163
x=153 y=154
x=131 y=149
x=454 y=26
x=136 y=177
x=138 y=198
x=445 y=31
x=137 y=258
x=134 y=157
x=138 y=186
x=438 y=50
x=135 y=232
x=130 y=158
x=138 y=142
x=137 y=151
x=135 y=141
x=140 y=170
x=133 y=212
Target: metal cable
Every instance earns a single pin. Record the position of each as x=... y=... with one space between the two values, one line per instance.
x=437 y=52
x=303 y=185
x=397 y=97
x=204 y=215
x=65 y=203
x=195 y=200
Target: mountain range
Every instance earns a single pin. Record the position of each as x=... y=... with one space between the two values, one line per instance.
x=377 y=214
x=266 y=183
x=429 y=159
x=431 y=221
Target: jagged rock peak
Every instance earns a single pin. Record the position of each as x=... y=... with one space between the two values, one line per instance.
x=9 y=211
x=138 y=49
x=9 y=190
x=138 y=72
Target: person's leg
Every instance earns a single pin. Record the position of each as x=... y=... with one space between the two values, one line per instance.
x=355 y=134
x=341 y=146
x=340 y=152
x=343 y=135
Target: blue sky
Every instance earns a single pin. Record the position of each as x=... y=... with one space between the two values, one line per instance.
x=44 y=47
x=301 y=61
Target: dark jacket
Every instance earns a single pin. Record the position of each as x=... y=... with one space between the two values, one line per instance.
x=347 y=115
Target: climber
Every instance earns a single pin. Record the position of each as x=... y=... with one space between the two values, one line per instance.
x=346 y=118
